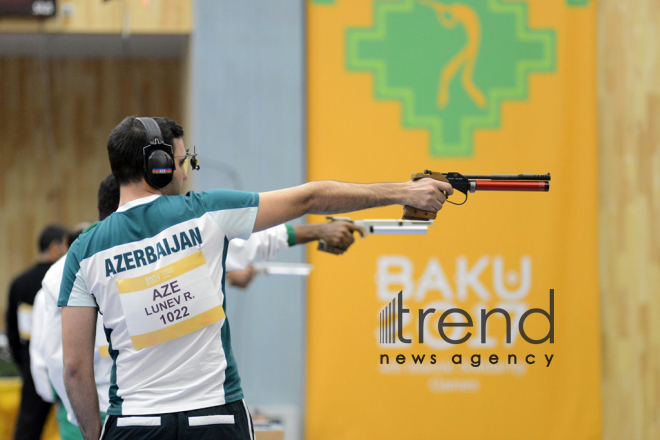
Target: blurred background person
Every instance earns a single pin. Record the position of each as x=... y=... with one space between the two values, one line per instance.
x=53 y=244
x=265 y=245
x=46 y=345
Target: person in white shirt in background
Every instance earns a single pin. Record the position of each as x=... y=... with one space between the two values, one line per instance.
x=47 y=345
x=264 y=245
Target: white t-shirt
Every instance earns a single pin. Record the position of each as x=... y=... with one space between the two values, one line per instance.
x=156 y=270
x=38 y=345
x=49 y=341
x=46 y=359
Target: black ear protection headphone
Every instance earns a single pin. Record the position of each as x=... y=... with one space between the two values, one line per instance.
x=158 y=156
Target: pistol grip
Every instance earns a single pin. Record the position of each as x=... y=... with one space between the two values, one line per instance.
x=410 y=213
x=325 y=247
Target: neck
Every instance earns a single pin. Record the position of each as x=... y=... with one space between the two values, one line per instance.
x=134 y=191
x=44 y=257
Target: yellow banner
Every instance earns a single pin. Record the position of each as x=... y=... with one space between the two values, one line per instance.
x=396 y=87
x=10 y=402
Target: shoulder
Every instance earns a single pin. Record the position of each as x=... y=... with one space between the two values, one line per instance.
x=86 y=245
x=55 y=271
x=97 y=238
x=222 y=199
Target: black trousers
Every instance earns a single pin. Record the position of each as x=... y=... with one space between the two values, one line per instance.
x=32 y=413
x=231 y=421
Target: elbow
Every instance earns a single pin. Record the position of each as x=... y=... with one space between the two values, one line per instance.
x=307 y=199
x=72 y=370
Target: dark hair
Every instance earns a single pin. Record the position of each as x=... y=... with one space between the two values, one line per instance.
x=52 y=233
x=125 y=145
x=107 y=200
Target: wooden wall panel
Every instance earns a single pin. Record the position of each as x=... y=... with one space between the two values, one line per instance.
x=629 y=103
x=110 y=17
x=55 y=118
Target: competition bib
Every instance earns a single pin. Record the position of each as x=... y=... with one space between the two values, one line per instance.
x=170 y=302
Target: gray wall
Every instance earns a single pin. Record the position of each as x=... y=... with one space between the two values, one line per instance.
x=248 y=118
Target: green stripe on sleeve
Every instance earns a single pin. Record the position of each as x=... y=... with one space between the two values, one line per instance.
x=292 y=235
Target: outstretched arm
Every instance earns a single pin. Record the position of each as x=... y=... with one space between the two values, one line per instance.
x=338 y=234
x=330 y=197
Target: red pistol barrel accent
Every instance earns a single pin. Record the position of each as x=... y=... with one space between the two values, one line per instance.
x=511 y=185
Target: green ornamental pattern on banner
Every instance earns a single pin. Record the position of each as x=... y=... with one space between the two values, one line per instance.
x=578 y=2
x=451 y=65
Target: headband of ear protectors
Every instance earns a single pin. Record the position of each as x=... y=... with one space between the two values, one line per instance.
x=158 y=156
